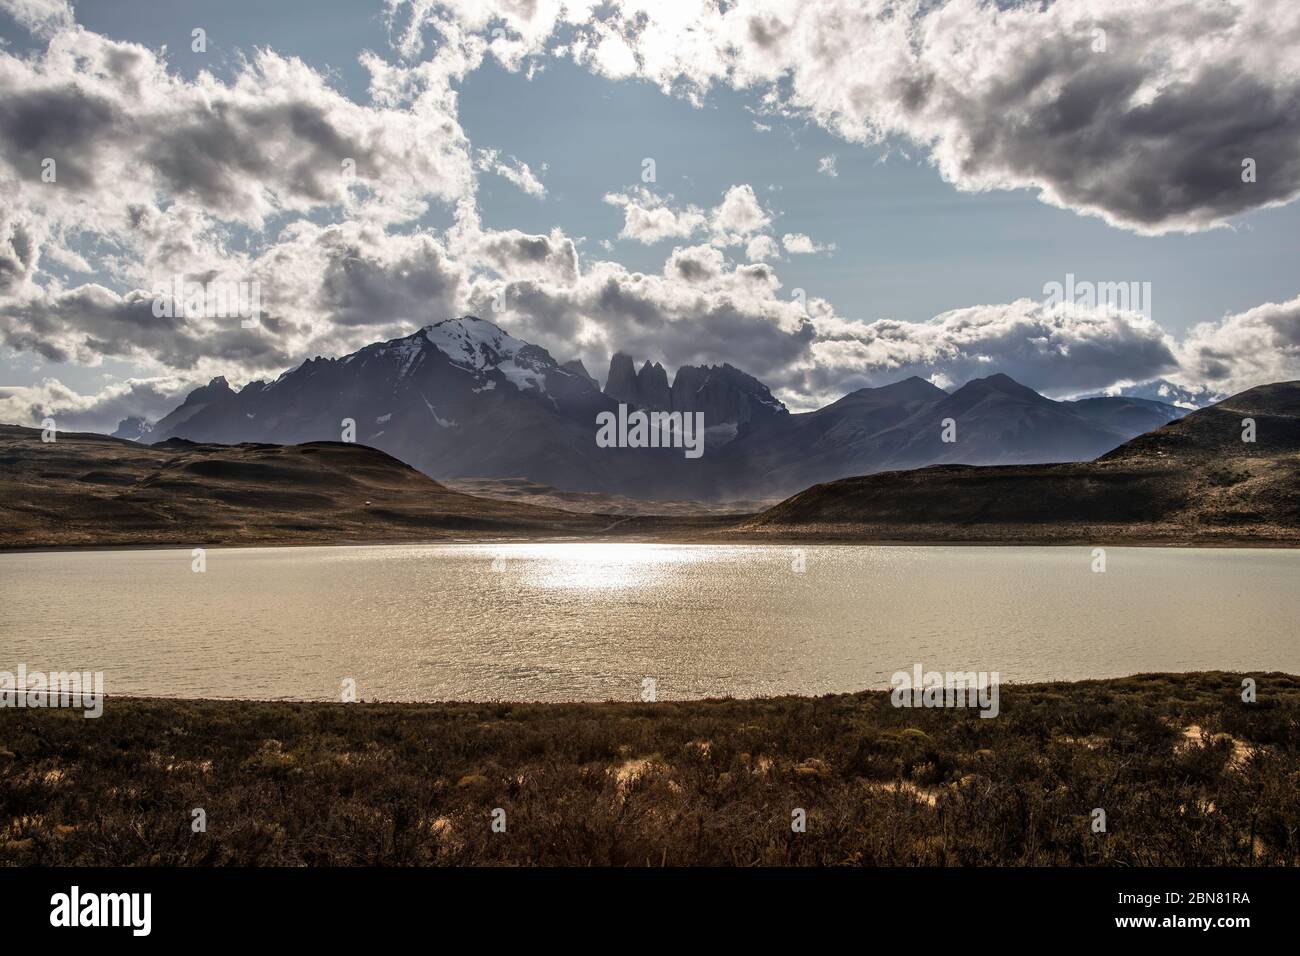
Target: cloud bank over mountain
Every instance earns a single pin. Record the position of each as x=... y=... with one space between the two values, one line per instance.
x=273 y=176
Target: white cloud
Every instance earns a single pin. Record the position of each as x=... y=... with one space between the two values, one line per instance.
x=1001 y=97
x=40 y=16
x=826 y=166
x=738 y=216
x=1058 y=351
x=762 y=248
x=149 y=399
x=1245 y=349
x=799 y=244
x=512 y=170
x=122 y=129
x=648 y=219
x=151 y=185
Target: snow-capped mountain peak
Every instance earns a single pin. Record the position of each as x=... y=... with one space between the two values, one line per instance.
x=473 y=342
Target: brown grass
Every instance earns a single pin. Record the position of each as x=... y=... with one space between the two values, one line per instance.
x=705 y=782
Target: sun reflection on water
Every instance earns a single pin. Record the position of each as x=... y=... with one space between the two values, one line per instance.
x=593 y=567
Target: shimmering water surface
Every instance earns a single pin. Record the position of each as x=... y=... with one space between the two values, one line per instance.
x=590 y=621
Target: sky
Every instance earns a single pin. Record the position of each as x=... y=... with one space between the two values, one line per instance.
x=844 y=193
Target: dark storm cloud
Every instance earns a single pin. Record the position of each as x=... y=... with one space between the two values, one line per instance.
x=91 y=322
x=416 y=286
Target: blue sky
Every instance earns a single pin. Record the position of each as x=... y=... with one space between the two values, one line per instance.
x=907 y=245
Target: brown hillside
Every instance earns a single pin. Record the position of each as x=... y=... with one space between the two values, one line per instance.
x=85 y=489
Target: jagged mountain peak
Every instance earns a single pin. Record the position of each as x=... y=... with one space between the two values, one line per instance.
x=216 y=384
x=133 y=428
x=577 y=368
x=463 y=397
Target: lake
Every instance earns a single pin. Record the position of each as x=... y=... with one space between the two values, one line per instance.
x=591 y=621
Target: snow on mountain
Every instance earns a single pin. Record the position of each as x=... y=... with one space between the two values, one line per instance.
x=472 y=341
x=463 y=398
x=478 y=344
x=472 y=344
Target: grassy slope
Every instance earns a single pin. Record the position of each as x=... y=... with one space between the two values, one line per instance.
x=706 y=782
x=86 y=489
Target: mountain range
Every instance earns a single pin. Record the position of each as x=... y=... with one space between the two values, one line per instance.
x=463 y=398
x=1195 y=480
x=1228 y=473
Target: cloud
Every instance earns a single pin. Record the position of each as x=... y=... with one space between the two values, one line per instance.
x=695 y=264
x=512 y=170
x=20 y=242
x=158 y=177
x=648 y=219
x=738 y=216
x=1058 y=351
x=122 y=129
x=796 y=243
x=323 y=289
x=90 y=323
x=1245 y=349
x=242 y=181
x=761 y=248
x=1163 y=390
x=701 y=308
x=368 y=279
x=1135 y=112
x=826 y=166
x=149 y=399
x=42 y=17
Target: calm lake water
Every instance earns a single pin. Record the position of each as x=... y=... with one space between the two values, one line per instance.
x=590 y=621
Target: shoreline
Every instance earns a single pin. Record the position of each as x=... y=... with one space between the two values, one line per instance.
x=1217 y=542
x=609 y=702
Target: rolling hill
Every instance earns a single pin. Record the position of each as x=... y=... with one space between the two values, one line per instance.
x=1193 y=480
x=85 y=489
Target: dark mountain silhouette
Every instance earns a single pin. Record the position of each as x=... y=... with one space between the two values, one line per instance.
x=461 y=398
x=1191 y=480
x=899 y=426
x=725 y=394
x=464 y=399
x=216 y=393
